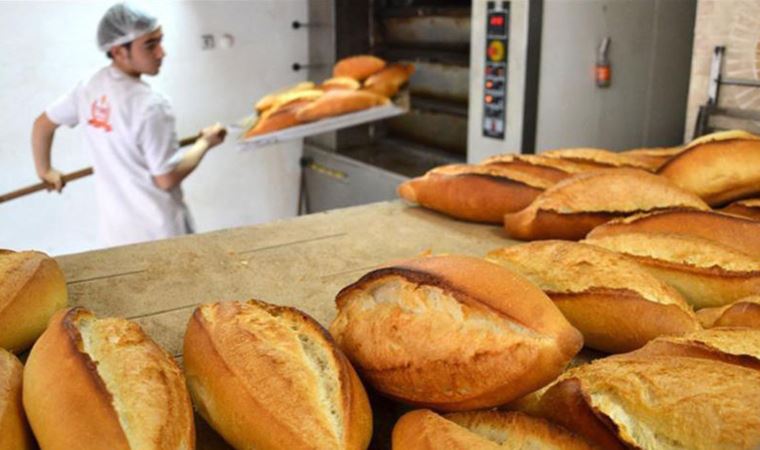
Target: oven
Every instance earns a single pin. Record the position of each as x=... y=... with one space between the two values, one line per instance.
x=507 y=76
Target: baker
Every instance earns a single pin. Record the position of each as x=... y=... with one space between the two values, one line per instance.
x=129 y=131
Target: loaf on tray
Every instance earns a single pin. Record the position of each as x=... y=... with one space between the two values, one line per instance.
x=358 y=67
x=452 y=332
x=337 y=102
x=613 y=301
x=90 y=383
x=474 y=192
x=388 y=81
x=283 y=117
x=574 y=206
x=340 y=83
x=32 y=288
x=270 y=377
x=481 y=430
x=270 y=100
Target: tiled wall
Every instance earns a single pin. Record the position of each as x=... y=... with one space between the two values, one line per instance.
x=736 y=25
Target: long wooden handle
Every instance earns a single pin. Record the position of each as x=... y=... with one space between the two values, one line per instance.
x=40 y=186
x=184 y=142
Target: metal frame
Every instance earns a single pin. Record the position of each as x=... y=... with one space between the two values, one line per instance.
x=532 y=75
x=710 y=108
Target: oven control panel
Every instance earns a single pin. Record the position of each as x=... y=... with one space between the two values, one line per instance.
x=495 y=76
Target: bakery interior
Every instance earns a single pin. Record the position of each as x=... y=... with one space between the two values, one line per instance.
x=433 y=224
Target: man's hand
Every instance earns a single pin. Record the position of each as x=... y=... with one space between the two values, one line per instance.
x=214 y=134
x=53 y=179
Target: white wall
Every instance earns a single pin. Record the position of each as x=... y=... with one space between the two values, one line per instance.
x=46 y=47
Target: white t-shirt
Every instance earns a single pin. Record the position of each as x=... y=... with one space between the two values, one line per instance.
x=129 y=131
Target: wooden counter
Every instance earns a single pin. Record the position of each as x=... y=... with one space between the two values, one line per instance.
x=301 y=262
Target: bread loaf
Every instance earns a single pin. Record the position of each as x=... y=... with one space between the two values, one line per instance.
x=474 y=192
x=452 y=332
x=481 y=430
x=340 y=83
x=597 y=158
x=358 y=67
x=90 y=383
x=614 y=302
x=654 y=157
x=32 y=288
x=705 y=272
x=337 y=102
x=269 y=100
x=659 y=402
x=720 y=167
x=550 y=169
x=739 y=346
x=736 y=232
x=283 y=117
x=744 y=312
x=269 y=377
x=14 y=431
x=573 y=207
x=388 y=81
x=748 y=208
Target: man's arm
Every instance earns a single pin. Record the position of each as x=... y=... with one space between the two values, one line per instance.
x=42 y=142
x=210 y=137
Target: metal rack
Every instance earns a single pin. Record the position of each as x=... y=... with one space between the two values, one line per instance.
x=711 y=109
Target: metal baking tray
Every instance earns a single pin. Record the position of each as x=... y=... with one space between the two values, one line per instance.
x=324 y=125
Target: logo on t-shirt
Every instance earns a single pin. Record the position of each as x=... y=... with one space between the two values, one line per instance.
x=100 y=111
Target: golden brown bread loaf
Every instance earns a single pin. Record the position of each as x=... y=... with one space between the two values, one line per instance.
x=748 y=208
x=340 y=83
x=337 y=102
x=32 y=288
x=744 y=312
x=654 y=157
x=720 y=167
x=474 y=192
x=707 y=273
x=452 y=332
x=14 y=430
x=92 y=381
x=614 y=302
x=736 y=232
x=269 y=100
x=388 y=81
x=550 y=169
x=269 y=377
x=283 y=117
x=573 y=207
x=358 y=67
x=481 y=430
x=740 y=346
x=597 y=158
x=659 y=402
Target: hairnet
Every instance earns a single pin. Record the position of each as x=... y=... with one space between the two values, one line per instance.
x=123 y=23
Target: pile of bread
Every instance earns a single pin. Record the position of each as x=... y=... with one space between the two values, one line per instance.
x=359 y=82
x=479 y=348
